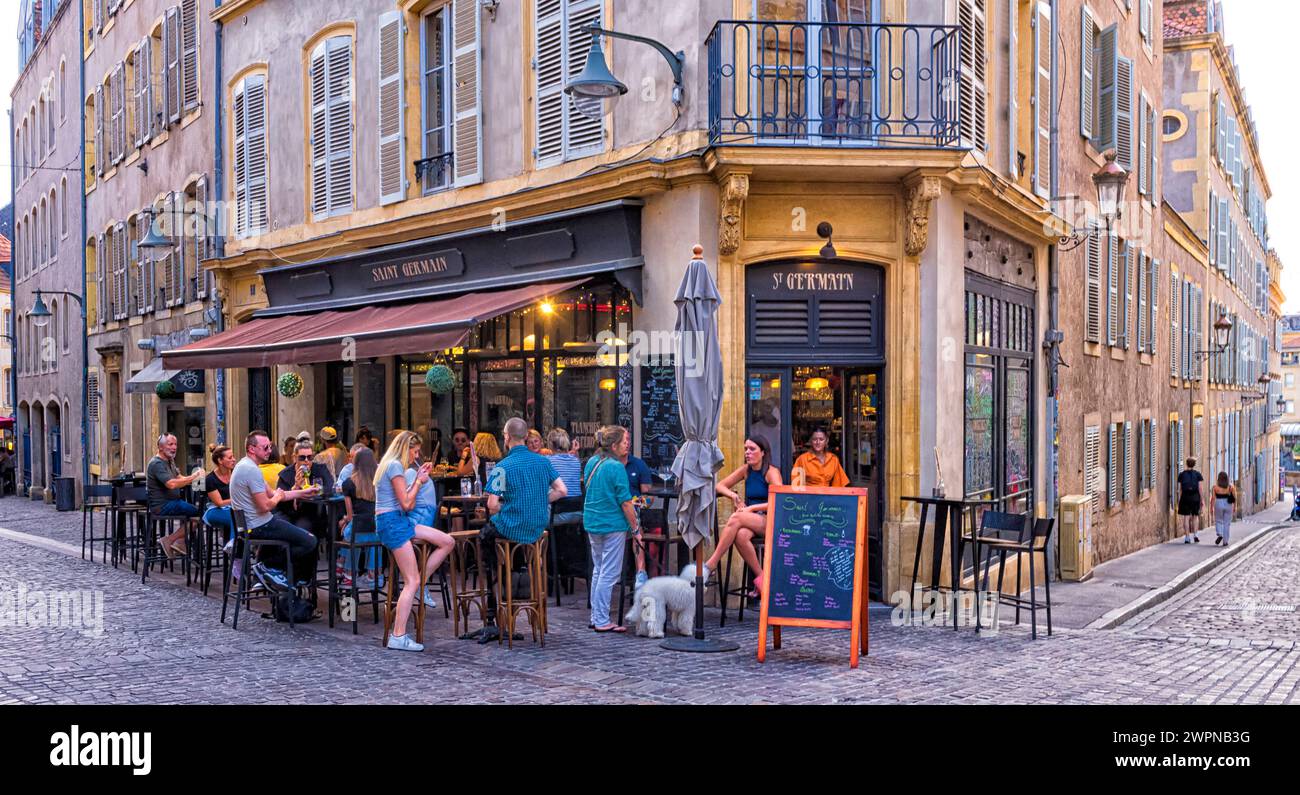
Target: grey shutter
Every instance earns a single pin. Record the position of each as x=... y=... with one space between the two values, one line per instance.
x=1107 y=95
x=172 y=64
x=257 y=200
x=1126 y=293
x=119 y=112
x=1225 y=256
x=319 y=135
x=1174 y=350
x=1152 y=464
x=1112 y=290
x=239 y=181
x=1128 y=492
x=1214 y=225
x=1153 y=293
x=1124 y=113
x=1093 y=283
x=1153 y=149
x=101 y=279
x=1112 y=464
x=1087 y=72
x=1143 y=165
x=467 y=97
x=391 y=112
x=99 y=132
x=189 y=39
x=1092 y=466
x=138 y=75
x=202 y=237
x=1042 y=99
x=584 y=136
x=548 y=68
x=1144 y=19
x=1142 y=329
x=151 y=125
x=1013 y=98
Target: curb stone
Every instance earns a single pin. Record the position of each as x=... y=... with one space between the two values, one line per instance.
x=1122 y=614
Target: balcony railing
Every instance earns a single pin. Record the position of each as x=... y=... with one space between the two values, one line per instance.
x=835 y=84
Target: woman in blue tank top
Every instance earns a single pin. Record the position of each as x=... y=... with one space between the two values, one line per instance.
x=749 y=518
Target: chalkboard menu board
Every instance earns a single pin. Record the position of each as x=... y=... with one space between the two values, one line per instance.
x=661 y=424
x=815 y=561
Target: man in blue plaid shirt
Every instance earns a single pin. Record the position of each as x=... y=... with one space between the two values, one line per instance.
x=520 y=491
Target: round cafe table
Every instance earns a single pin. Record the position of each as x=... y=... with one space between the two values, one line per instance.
x=460 y=521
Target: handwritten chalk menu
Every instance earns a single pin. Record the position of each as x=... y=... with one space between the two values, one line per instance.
x=661 y=424
x=815 y=563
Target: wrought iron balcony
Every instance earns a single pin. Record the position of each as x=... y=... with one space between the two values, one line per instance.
x=434 y=173
x=835 y=84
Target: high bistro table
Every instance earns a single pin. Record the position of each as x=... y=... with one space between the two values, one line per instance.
x=332 y=507
x=950 y=513
x=460 y=521
x=667 y=494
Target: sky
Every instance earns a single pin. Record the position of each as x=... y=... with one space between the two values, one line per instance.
x=1261 y=31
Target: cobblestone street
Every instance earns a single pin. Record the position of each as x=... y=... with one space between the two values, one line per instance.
x=163 y=642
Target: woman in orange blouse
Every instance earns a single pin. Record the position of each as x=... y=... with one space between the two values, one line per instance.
x=821 y=467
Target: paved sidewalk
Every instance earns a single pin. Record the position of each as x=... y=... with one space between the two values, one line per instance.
x=1120 y=588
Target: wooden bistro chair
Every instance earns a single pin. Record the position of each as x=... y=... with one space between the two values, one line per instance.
x=532 y=557
x=1025 y=547
x=465 y=558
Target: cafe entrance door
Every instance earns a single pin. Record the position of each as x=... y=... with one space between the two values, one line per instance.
x=786 y=404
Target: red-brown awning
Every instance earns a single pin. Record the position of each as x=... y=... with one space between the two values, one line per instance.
x=375 y=330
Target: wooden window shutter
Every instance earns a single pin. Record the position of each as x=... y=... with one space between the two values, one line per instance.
x=1042 y=100
x=1112 y=290
x=1225 y=253
x=319 y=135
x=120 y=245
x=1112 y=465
x=1142 y=333
x=1153 y=150
x=1153 y=293
x=1144 y=19
x=189 y=23
x=583 y=136
x=1124 y=113
x=973 y=116
x=98 y=17
x=338 y=69
x=1126 y=294
x=1092 y=466
x=138 y=76
x=257 y=169
x=1093 y=276
x=1129 y=492
x=467 y=92
x=172 y=67
x=201 y=236
x=1013 y=96
x=1214 y=235
x=150 y=99
x=1143 y=166
x=99 y=131
x=119 y=108
x=1087 y=74
x=1107 y=74
x=239 y=163
x=392 y=141
x=1174 y=349
x=101 y=278
x=548 y=69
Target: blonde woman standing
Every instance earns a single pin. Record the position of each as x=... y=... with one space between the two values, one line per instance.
x=608 y=515
x=394 y=500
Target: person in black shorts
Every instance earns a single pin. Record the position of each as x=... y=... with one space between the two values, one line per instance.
x=1189 y=502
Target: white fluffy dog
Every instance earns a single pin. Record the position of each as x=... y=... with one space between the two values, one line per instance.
x=662 y=598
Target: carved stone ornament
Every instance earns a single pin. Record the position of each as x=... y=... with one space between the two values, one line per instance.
x=919 y=198
x=734 y=191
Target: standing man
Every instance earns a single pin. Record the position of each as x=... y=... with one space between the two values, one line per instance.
x=163 y=485
x=250 y=494
x=519 y=491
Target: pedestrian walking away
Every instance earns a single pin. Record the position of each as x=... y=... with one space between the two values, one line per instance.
x=1225 y=497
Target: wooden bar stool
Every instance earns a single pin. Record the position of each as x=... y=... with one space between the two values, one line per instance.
x=423 y=549
x=463 y=596
x=533 y=557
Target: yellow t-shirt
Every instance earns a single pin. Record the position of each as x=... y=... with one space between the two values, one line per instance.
x=271 y=473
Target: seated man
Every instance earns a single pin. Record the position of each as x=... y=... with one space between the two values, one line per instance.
x=250 y=495
x=301 y=473
x=520 y=491
x=163 y=484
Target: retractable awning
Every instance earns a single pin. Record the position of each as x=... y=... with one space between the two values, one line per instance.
x=371 y=331
x=154 y=373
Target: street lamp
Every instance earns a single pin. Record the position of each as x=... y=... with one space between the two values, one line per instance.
x=1222 y=328
x=596 y=86
x=153 y=241
x=1109 y=180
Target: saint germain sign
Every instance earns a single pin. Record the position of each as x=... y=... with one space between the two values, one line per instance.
x=405 y=271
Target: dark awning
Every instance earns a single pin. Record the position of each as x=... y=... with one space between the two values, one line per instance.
x=374 y=330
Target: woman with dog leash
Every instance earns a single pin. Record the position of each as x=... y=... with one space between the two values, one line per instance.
x=608 y=515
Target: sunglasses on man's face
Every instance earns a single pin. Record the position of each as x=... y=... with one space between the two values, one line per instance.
x=304 y=458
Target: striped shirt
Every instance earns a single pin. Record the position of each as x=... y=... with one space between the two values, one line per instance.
x=570 y=470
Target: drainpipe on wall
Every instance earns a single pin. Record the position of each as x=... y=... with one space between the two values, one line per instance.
x=12 y=331
x=219 y=190
x=85 y=337
x=1053 y=302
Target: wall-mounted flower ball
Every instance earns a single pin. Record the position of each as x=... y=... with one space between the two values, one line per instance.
x=440 y=379
x=165 y=389
x=290 y=385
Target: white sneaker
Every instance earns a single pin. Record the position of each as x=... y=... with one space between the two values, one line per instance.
x=429 y=600
x=229 y=548
x=404 y=643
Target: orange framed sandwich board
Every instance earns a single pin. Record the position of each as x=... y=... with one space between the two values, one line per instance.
x=816 y=564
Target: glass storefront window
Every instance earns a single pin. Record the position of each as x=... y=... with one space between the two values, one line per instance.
x=979 y=426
